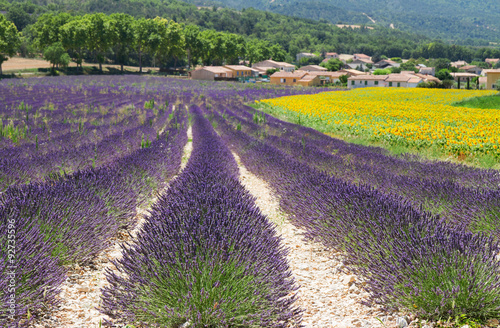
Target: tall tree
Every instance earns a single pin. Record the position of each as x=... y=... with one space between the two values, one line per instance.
x=74 y=35
x=194 y=45
x=146 y=38
x=9 y=40
x=47 y=29
x=99 y=36
x=122 y=35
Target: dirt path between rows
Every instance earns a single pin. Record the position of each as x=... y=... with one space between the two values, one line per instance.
x=328 y=297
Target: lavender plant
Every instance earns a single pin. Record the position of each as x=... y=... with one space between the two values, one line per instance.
x=206 y=255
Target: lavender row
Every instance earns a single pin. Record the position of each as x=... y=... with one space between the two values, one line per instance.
x=71 y=218
x=206 y=256
x=410 y=259
x=473 y=208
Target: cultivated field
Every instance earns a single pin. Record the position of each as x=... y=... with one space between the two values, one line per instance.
x=178 y=170
x=412 y=119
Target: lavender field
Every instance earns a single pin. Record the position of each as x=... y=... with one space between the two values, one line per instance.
x=79 y=155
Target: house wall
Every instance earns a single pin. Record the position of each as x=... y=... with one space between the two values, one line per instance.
x=202 y=75
x=314 y=82
x=361 y=84
x=240 y=73
x=491 y=79
x=289 y=80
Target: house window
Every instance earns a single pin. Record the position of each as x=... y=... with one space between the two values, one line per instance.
x=283 y=80
x=237 y=73
x=352 y=82
x=376 y=82
x=390 y=84
x=366 y=82
x=294 y=80
x=399 y=84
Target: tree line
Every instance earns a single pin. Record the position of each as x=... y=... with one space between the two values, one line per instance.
x=123 y=38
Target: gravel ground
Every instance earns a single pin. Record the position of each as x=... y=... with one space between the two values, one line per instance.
x=328 y=296
x=81 y=292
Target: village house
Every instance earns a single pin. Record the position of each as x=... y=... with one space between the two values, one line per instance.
x=310 y=68
x=327 y=77
x=331 y=55
x=406 y=80
x=427 y=70
x=402 y=80
x=345 y=58
x=269 y=64
x=239 y=70
x=472 y=69
x=363 y=57
x=492 y=78
x=458 y=63
x=463 y=77
x=359 y=64
x=427 y=77
x=211 y=73
x=309 y=81
x=301 y=55
x=492 y=61
x=364 y=81
x=386 y=63
x=351 y=72
x=288 y=78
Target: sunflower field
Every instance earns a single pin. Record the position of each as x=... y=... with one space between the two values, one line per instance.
x=416 y=118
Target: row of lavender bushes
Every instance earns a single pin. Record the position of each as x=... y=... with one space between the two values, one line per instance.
x=464 y=196
x=411 y=260
x=70 y=218
x=84 y=146
x=206 y=256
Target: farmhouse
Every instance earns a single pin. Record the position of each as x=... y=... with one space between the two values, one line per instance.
x=210 y=73
x=310 y=68
x=363 y=81
x=351 y=72
x=287 y=78
x=492 y=61
x=386 y=63
x=427 y=70
x=282 y=66
x=463 y=77
x=402 y=80
x=327 y=77
x=363 y=57
x=239 y=70
x=309 y=81
x=492 y=78
x=472 y=69
x=330 y=55
x=301 y=55
x=458 y=63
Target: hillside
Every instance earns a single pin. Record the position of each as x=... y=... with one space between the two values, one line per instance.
x=292 y=34
x=447 y=19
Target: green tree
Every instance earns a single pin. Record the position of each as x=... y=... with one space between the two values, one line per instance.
x=194 y=46
x=47 y=29
x=444 y=74
x=122 y=36
x=9 y=40
x=99 y=36
x=146 y=38
x=172 y=42
x=382 y=72
x=74 y=38
x=333 y=64
x=19 y=16
x=56 y=55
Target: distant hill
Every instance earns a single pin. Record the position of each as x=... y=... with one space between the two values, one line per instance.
x=447 y=19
